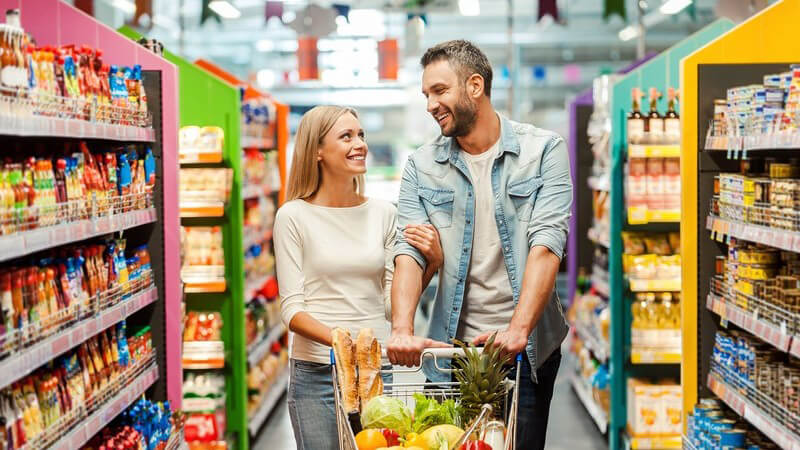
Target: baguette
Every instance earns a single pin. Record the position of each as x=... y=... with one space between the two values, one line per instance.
x=346 y=368
x=368 y=357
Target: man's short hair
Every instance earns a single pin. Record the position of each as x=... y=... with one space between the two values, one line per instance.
x=466 y=59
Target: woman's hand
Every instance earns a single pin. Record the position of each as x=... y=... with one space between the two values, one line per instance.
x=425 y=238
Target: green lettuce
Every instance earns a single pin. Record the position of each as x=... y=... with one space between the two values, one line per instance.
x=429 y=412
x=387 y=412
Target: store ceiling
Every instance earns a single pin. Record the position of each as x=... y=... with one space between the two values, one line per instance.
x=249 y=46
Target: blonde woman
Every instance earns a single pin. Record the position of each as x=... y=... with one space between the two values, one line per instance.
x=334 y=257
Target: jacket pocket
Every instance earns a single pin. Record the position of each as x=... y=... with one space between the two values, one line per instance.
x=438 y=204
x=523 y=195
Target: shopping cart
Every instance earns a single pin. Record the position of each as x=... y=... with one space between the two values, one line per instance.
x=441 y=391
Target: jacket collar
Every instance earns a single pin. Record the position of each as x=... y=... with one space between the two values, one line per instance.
x=447 y=148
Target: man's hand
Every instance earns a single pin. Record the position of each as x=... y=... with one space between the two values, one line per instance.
x=512 y=340
x=406 y=349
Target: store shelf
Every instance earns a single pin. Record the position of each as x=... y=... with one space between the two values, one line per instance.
x=654 y=285
x=27 y=242
x=202 y=209
x=762 y=329
x=258 y=350
x=584 y=393
x=255 y=142
x=204 y=287
x=787 y=141
x=600 y=282
x=753 y=414
x=652 y=443
x=25 y=361
x=773 y=237
x=200 y=156
x=81 y=434
x=595 y=237
x=256 y=421
x=640 y=215
x=654 y=151
x=254 y=237
x=595 y=344
x=652 y=356
x=201 y=355
x=251 y=287
x=599 y=183
x=687 y=444
x=46 y=126
x=252 y=191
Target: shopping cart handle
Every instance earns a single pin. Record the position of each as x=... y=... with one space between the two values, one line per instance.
x=436 y=352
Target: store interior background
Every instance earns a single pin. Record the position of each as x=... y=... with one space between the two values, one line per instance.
x=540 y=65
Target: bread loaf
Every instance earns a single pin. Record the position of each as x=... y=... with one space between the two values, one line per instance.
x=346 y=368
x=368 y=358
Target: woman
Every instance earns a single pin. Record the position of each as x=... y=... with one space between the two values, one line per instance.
x=334 y=259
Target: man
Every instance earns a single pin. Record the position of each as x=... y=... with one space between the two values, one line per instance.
x=499 y=194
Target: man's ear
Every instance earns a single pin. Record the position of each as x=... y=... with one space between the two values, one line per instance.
x=475 y=85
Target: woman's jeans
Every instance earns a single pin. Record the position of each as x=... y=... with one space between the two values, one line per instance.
x=311 y=405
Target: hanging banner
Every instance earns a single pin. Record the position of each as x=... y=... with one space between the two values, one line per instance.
x=307 y=54
x=611 y=7
x=86 y=6
x=143 y=7
x=388 y=59
x=548 y=8
x=273 y=9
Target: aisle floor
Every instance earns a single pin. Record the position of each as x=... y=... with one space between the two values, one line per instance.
x=570 y=427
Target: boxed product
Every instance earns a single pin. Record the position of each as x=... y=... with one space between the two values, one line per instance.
x=654 y=409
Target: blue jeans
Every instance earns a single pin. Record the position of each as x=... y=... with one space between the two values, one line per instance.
x=311 y=405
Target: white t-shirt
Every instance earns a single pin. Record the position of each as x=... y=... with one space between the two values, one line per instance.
x=335 y=264
x=488 y=298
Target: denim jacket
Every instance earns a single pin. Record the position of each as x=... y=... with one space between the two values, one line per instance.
x=533 y=197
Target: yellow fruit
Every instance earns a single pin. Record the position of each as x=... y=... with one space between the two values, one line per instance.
x=450 y=432
x=415 y=440
x=370 y=440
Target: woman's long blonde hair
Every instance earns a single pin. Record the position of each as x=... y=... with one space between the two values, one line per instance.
x=305 y=173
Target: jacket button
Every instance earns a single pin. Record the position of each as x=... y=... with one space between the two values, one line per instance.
x=469 y=221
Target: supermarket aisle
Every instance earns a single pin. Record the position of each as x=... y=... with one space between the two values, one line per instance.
x=570 y=426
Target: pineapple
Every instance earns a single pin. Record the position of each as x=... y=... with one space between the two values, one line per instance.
x=481 y=375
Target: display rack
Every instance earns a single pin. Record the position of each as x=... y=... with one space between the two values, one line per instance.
x=254 y=283
x=154 y=303
x=738 y=58
x=660 y=72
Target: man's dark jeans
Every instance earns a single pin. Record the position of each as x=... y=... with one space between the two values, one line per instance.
x=534 y=402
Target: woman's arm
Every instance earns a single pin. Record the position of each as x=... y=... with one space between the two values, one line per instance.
x=289 y=268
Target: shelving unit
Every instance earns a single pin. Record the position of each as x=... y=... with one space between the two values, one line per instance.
x=660 y=72
x=157 y=304
x=735 y=59
x=259 y=417
x=585 y=395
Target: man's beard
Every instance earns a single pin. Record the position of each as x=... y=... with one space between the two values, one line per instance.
x=464 y=116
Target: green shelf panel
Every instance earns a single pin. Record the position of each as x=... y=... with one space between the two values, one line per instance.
x=206 y=100
x=662 y=72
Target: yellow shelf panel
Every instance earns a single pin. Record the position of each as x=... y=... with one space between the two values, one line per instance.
x=200 y=287
x=655 y=285
x=197 y=209
x=661 y=443
x=639 y=215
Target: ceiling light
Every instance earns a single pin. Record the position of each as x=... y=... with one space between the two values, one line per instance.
x=469 y=7
x=225 y=9
x=127 y=6
x=674 y=6
x=265 y=45
x=629 y=32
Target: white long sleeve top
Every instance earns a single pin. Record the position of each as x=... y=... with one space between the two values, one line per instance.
x=335 y=264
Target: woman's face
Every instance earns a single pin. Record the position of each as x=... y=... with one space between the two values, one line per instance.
x=343 y=151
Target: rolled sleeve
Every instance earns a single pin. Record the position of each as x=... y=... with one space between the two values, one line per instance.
x=410 y=211
x=550 y=219
x=288 y=267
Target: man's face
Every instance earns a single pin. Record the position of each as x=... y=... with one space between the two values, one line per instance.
x=448 y=102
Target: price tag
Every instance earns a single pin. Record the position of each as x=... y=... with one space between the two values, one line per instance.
x=787 y=241
x=77 y=336
x=103 y=225
x=11 y=246
x=60 y=345
x=60 y=234
x=90 y=329
x=59 y=128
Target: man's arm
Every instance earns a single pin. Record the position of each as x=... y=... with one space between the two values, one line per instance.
x=547 y=236
x=411 y=273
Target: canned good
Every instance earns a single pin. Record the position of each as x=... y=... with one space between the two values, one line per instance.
x=732 y=438
x=720 y=425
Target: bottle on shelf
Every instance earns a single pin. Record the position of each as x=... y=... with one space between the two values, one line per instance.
x=672 y=121
x=654 y=127
x=637 y=123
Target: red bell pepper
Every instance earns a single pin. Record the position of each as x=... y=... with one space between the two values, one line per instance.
x=475 y=445
x=392 y=437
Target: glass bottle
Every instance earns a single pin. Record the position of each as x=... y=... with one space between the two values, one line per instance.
x=636 y=121
x=655 y=122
